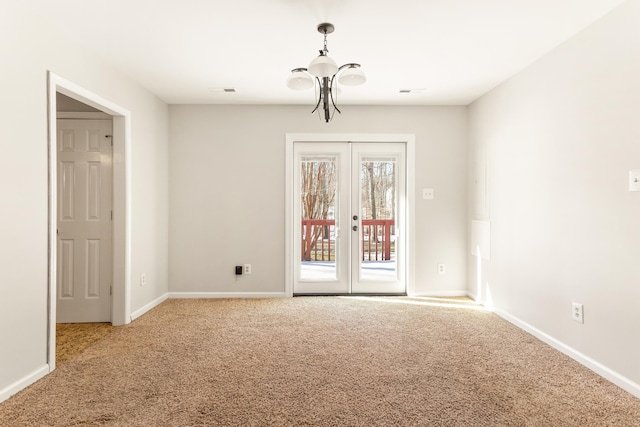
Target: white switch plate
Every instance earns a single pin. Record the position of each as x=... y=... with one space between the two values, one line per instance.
x=634 y=180
x=577 y=312
x=427 y=193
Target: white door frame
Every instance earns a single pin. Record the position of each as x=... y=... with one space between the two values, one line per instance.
x=408 y=139
x=121 y=302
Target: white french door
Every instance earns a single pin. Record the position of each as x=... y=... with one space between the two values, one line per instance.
x=349 y=213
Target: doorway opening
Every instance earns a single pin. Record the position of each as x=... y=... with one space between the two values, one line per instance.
x=119 y=307
x=349 y=214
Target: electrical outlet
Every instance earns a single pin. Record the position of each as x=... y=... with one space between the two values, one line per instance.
x=442 y=269
x=427 y=193
x=247 y=269
x=577 y=312
x=143 y=279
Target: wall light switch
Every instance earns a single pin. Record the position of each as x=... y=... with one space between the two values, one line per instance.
x=577 y=312
x=634 y=180
x=427 y=193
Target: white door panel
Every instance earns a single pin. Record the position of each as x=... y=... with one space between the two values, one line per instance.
x=84 y=221
x=321 y=206
x=378 y=201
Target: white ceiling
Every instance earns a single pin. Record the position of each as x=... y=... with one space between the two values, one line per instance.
x=456 y=50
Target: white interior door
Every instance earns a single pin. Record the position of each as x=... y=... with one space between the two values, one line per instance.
x=84 y=221
x=349 y=213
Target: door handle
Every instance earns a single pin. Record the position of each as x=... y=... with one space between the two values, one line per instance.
x=354 y=228
x=355 y=217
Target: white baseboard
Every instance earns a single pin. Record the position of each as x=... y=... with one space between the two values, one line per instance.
x=139 y=312
x=12 y=389
x=605 y=372
x=463 y=293
x=227 y=295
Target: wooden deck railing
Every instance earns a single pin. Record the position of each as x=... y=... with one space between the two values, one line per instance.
x=318 y=239
x=377 y=239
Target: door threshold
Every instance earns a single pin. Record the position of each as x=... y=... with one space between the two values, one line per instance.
x=352 y=295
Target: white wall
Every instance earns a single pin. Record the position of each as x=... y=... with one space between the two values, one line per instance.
x=555 y=144
x=28 y=49
x=227 y=191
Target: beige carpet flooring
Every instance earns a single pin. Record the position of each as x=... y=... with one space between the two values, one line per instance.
x=321 y=362
x=74 y=338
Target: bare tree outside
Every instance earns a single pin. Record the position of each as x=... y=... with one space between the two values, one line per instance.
x=318 y=196
x=378 y=204
x=378 y=189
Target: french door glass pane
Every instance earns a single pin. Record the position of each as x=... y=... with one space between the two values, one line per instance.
x=378 y=204
x=319 y=208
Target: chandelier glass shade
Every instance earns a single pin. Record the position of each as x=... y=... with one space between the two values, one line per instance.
x=325 y=75
x=352 y=76
x=322 y=66
x=299 y=79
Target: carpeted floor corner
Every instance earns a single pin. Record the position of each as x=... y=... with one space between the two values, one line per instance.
x=73 y=338
x=321 y=362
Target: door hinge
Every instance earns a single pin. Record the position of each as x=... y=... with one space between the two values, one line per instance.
x=111 y=215
x=110 y=290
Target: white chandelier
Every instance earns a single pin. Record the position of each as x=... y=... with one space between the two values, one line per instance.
x=325 y=70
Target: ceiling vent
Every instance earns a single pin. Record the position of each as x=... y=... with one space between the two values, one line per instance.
x=413 y=91
x=221 y=89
